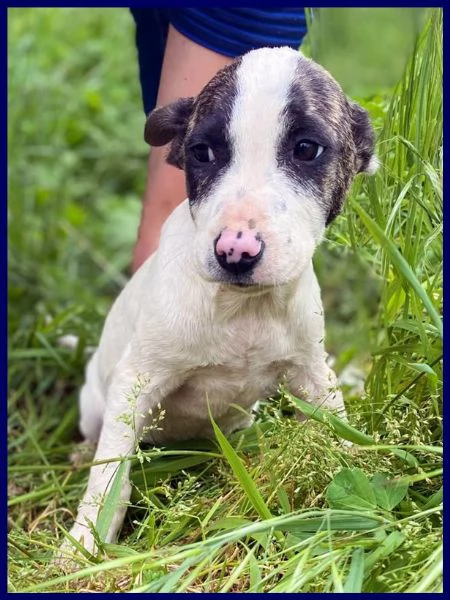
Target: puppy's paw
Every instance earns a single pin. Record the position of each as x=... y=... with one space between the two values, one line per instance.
x=67 y=560
x=69 y=557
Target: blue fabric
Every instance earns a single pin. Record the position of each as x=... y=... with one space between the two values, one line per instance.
x=227 y=31
x=233 y=31
x=152 y=25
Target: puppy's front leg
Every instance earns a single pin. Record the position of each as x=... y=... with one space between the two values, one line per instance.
x=317 y=384
x=123 y=424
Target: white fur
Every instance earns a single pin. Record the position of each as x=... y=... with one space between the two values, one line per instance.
x=263 y=74
x=199 y=340
x=373 y=165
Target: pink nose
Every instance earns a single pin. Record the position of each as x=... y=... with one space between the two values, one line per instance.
x=238 y=251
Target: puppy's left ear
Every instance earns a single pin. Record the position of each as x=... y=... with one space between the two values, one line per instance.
x=169 y=124
x=364 y=138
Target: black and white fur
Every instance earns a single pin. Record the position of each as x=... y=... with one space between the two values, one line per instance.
x=269 y=148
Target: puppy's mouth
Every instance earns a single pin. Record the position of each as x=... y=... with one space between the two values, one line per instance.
x=242 y=284
x=246 y=287
x=214 y=273
x=237 y=282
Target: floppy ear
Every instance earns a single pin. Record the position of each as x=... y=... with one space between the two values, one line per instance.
x=169 y=124
x=365 y=161
x=364 y=138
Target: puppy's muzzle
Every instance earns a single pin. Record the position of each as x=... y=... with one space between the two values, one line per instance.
x=238 y=252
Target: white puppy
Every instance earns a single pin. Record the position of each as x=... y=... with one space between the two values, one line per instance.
x=229 y=305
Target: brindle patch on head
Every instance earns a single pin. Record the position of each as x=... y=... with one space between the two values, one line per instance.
x=209 y=125
x=318 y=111
x=217 y=96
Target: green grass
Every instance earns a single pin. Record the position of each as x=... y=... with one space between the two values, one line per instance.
x=282 y=506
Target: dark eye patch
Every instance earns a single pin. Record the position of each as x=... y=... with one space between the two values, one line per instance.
x=210 y=134
x=207 y=155
x=316 y=112
x=209 y=125
x=307 y=149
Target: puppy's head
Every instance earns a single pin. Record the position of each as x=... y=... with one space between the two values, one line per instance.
x=269 y=147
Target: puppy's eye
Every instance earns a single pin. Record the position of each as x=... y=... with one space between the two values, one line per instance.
x=305 y=150
x=203 y=153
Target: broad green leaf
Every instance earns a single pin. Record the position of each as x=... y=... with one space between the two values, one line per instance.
x=349 y=489
x=388 y=492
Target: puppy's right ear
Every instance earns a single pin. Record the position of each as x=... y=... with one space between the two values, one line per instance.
x=364 y=138
x=169 y=124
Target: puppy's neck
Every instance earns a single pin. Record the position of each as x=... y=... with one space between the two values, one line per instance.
x=260 y=301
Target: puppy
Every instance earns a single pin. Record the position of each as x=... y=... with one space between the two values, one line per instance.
x=229 y=305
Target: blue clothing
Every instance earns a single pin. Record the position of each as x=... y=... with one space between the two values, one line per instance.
x=227 y=31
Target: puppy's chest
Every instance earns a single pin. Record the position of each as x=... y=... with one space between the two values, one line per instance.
x=247 y=357
x=249 y=344
x=238 y=365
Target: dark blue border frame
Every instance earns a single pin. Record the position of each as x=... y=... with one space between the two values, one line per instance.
x=3 y=296
x=446 y=162
x=221 y=3
x=4 y=239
